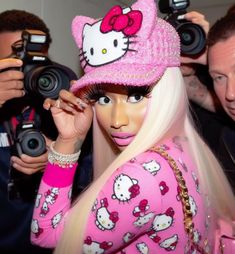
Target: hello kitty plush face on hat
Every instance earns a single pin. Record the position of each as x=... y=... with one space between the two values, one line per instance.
x=114 y=32
x=129 y=46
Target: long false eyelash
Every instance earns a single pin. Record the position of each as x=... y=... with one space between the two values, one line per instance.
x=93 y=93
x=143 y=90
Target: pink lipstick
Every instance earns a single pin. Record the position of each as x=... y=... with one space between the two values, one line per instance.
x=122 y=138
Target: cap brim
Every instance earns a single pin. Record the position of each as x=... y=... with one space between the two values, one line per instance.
x=121 y=74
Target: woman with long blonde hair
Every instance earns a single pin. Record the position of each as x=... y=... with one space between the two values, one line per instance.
x=157 y=187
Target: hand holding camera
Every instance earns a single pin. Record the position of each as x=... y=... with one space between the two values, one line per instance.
x=29 y=140
x=42 y=78
x=24 y=175
x=199 y=19
x=29 y=157
x=191 y=33
x=11 y=84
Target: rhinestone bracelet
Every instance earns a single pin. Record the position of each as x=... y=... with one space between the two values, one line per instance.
x=63 y=160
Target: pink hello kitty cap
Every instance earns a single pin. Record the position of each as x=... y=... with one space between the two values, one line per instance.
x=129 y=46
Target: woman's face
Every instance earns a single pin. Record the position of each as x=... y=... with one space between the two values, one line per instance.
x=120 y=111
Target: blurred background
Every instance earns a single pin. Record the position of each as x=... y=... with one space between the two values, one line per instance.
x=58 y=15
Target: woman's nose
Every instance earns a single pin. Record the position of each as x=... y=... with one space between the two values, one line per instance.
x=119 y=116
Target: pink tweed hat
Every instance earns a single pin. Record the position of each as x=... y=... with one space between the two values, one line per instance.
x=129 y=46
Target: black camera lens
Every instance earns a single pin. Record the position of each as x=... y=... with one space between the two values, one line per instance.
x=192 y=38
x=46 y=81
x=32 y=143
x=187 y=37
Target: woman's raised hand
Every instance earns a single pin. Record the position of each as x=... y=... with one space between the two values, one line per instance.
x=71 y=114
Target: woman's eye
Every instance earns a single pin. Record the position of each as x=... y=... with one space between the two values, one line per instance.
x=103 y=100
x=134 y=98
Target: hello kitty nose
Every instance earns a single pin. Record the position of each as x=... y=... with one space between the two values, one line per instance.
x=104 y=51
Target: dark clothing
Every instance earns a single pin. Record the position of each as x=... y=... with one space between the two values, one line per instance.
x=16 y=211
x=218 y=131
x=227 y=153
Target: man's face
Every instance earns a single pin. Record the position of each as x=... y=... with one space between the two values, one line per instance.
x=221 y=61
x=6 y=40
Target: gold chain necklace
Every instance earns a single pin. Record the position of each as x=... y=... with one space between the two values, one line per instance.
x=183 y=192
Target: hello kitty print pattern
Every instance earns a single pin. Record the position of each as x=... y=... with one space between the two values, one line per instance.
x=125 y=188
x=105 y=220
x=135 y=212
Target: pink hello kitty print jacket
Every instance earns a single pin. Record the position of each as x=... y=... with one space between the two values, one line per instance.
x=137 y=211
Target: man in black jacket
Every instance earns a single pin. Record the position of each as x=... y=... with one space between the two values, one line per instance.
x=221 y=63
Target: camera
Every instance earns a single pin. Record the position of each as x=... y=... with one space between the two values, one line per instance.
x=42 y=76
x=29 y=140
x=192 y=36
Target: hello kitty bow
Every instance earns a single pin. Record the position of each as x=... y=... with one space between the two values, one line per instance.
x=115 y=20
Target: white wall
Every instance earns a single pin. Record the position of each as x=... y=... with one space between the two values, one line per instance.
x=212 y=9
x=58 y=15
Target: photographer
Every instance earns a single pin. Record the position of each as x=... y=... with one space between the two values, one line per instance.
x=16 y=208
x=214 y=125
x=192 y=28
x=195 y=72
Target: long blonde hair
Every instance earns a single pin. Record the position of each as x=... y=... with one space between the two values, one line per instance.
x=167 y=115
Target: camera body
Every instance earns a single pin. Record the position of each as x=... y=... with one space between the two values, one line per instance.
x=41 y=76
x=29 y=140
x=192 y=36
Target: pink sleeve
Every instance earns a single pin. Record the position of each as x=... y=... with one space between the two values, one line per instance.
x=52 y=203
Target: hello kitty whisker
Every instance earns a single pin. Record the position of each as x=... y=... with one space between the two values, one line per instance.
x=132 y=50
x=82 y=53
x=130 y=42
x=85 y=65
x=80 y=49
x=83 y=59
